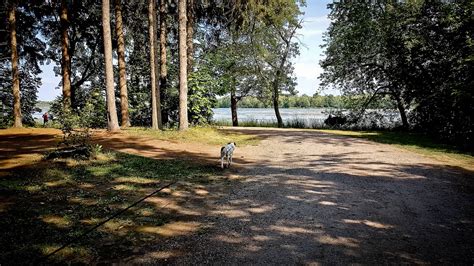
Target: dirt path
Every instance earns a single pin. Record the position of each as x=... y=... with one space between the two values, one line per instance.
x=305 y=197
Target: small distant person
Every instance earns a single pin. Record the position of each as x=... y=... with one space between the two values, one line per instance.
x=45 y=118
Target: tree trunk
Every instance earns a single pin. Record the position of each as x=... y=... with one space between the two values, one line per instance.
x=157 y=68
x=190 y=34
x=275 y=97
x=121 y=64
x=401 y=109
x=66 y=59
x=112 y=121
x=15 y=71
x=280 y=70
x=183 y=76
x=151 y=35
x=163 y=66
x=233 y=108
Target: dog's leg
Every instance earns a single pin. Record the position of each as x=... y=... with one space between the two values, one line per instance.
x=222 y=162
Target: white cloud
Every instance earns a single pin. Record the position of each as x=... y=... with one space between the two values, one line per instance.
x=308 y=70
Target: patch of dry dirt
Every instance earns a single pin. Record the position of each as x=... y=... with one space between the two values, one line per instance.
x=304 y=197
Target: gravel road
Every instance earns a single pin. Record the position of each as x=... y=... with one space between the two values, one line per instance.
x=304 y=197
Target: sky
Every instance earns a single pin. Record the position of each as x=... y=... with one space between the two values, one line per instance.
x=306 y=65
x=307 y=69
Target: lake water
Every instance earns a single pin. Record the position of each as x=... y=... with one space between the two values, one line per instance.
x=309 y=116
x=268 y=114
x=39 y=115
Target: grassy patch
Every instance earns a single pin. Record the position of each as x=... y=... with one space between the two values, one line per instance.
x=207 y=135
x=414 y=142
x=287 y=123
x=47 y=203
x=247 y=123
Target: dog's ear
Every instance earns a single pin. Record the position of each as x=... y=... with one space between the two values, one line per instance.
x=235 y=144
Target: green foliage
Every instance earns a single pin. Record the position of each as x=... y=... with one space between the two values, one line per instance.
x=29 y=85
x=75 y=129
x=201 y=97
x=90 y=113
x=76 y=126
x=417 y=53
x=30 y=48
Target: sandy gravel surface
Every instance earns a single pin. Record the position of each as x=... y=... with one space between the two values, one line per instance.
x=300 y=197
x=304 y=197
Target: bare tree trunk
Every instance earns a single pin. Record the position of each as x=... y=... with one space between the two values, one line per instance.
x=401 y=109
x=233 y=108
x=190 y=34
x=151 y=36
x=15 y=71
x=163 y=66
x=112 y=121
x=276 y=82
x=157 y=68
x=66 y=59
x=121 y=64
x=275 y=98
x=183 y=76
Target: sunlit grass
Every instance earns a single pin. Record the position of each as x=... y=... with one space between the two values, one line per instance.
x=247 y=123
x=207 y=135
x=418 y=143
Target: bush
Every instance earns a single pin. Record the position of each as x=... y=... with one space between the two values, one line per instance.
x=201 y=97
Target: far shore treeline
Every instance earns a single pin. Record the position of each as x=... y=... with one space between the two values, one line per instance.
x=305 y=101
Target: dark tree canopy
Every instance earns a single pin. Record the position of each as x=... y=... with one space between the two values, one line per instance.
x=420 y=53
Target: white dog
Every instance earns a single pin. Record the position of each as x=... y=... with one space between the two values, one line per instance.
x=226 y=152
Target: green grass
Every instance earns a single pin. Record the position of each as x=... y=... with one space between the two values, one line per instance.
x=49 y=202
x=414 y=142
x=247 y=123
x=291 y=123
x=207 y=135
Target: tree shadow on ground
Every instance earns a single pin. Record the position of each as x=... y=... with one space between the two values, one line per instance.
x=333 y=217
x=369 y=211
x=46 y=203
x=345 y=207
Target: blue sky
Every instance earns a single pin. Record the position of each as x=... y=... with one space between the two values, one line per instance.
x=307 y=67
